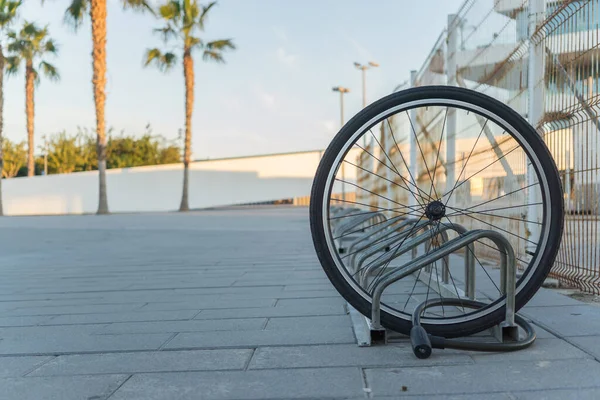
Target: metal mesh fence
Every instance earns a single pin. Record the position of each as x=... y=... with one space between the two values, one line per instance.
x=542 y=58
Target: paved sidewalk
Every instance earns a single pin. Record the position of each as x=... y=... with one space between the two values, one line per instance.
x=232 y=304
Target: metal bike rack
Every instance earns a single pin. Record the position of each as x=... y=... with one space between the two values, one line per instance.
x=356 y=221
x=358 y=260
x=384 y=237
x=376 y=233
x=348 y=229
x=469 y=291
x=507 y=330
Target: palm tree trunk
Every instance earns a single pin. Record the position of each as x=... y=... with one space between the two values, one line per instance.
x=1 y=124
x=188 y=73
x=98 y=17
x=29 y=111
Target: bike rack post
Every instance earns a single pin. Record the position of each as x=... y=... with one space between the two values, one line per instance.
x=508 y=329
x=357 y=220
x=376 y=233
x=384 y=244
x=423 y=238
x=384 y=238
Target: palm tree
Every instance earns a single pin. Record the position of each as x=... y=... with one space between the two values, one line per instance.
x=184 y=20
x=97 y=12
x=29 y=46
x=8 y=14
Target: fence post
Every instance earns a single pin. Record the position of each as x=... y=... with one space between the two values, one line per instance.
x=451 y=49
x=536 y=95
x=412 y=202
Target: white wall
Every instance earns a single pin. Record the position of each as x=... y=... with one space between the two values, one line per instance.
x=158 y=188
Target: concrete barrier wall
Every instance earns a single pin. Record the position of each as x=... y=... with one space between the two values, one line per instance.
x=158 y=188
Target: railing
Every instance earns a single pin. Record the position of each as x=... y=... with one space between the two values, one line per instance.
x=542 y=58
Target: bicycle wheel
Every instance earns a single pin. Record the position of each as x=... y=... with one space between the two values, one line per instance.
x=430 y=164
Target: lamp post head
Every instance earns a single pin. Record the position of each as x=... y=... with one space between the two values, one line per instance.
x=373 y=64
x=340 y=89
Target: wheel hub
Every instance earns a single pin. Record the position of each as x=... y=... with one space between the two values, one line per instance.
x=435 y=210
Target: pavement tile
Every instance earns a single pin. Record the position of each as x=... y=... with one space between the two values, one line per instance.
x=64 y=344
x=494 y=377
x=581 y=320
x=591 y=344
x=122 y=317
x=230 y=339
x=13 y=367
x=272 y=312
x=184 y=326
x=63 y=388
x=348 y=355
x=157 y=361
x=289 y=384
x=329 y=321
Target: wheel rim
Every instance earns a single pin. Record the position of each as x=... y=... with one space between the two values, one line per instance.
x=441 y=210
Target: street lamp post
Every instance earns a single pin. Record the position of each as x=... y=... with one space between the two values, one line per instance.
x=342 y=90
x=45 y=155
x=364 y=69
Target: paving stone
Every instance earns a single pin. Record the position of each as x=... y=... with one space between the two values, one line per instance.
x=185 y=326
x=590 y=343
x=13 y=367
x=23 y=321
x=330 y=321
x=494 y=377
x=272 y=312
x=290 y=384
x=122 y=317
x=75 y=309
x=568 y=394
x=157 y=361
x=227 y=339
x=311 y=302
x=65 y=344
x=348 y=355
x=541 y=349
x=478 y=396
x=52 y=330
x=582 y=320
x=327 y=287
x=551 y=298
x=63 y=388
x=208 y=304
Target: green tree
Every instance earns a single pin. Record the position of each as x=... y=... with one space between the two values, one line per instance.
x=15 y=156
x=183 y=21
x=8 y=14
x=30 y=45
x=75 y=14
x=64 y=155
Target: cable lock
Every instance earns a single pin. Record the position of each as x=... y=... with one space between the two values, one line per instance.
x=423 y=343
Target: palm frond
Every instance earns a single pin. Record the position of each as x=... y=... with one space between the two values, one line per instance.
x=215 y=56
x=8 y=12
x=138 y=5
x=75 y=13
x=163 y=61
x=221 y=45
x=50 y=71
x=204 y=14
x=170 y=11
x=50 y=47
x=191 y=42
x=12 y=65
x=167 y=32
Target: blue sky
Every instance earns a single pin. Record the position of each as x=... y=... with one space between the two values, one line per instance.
x=273 y=95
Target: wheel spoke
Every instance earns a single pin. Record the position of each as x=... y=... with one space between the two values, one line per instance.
x=414 y=182
x=421 y=151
